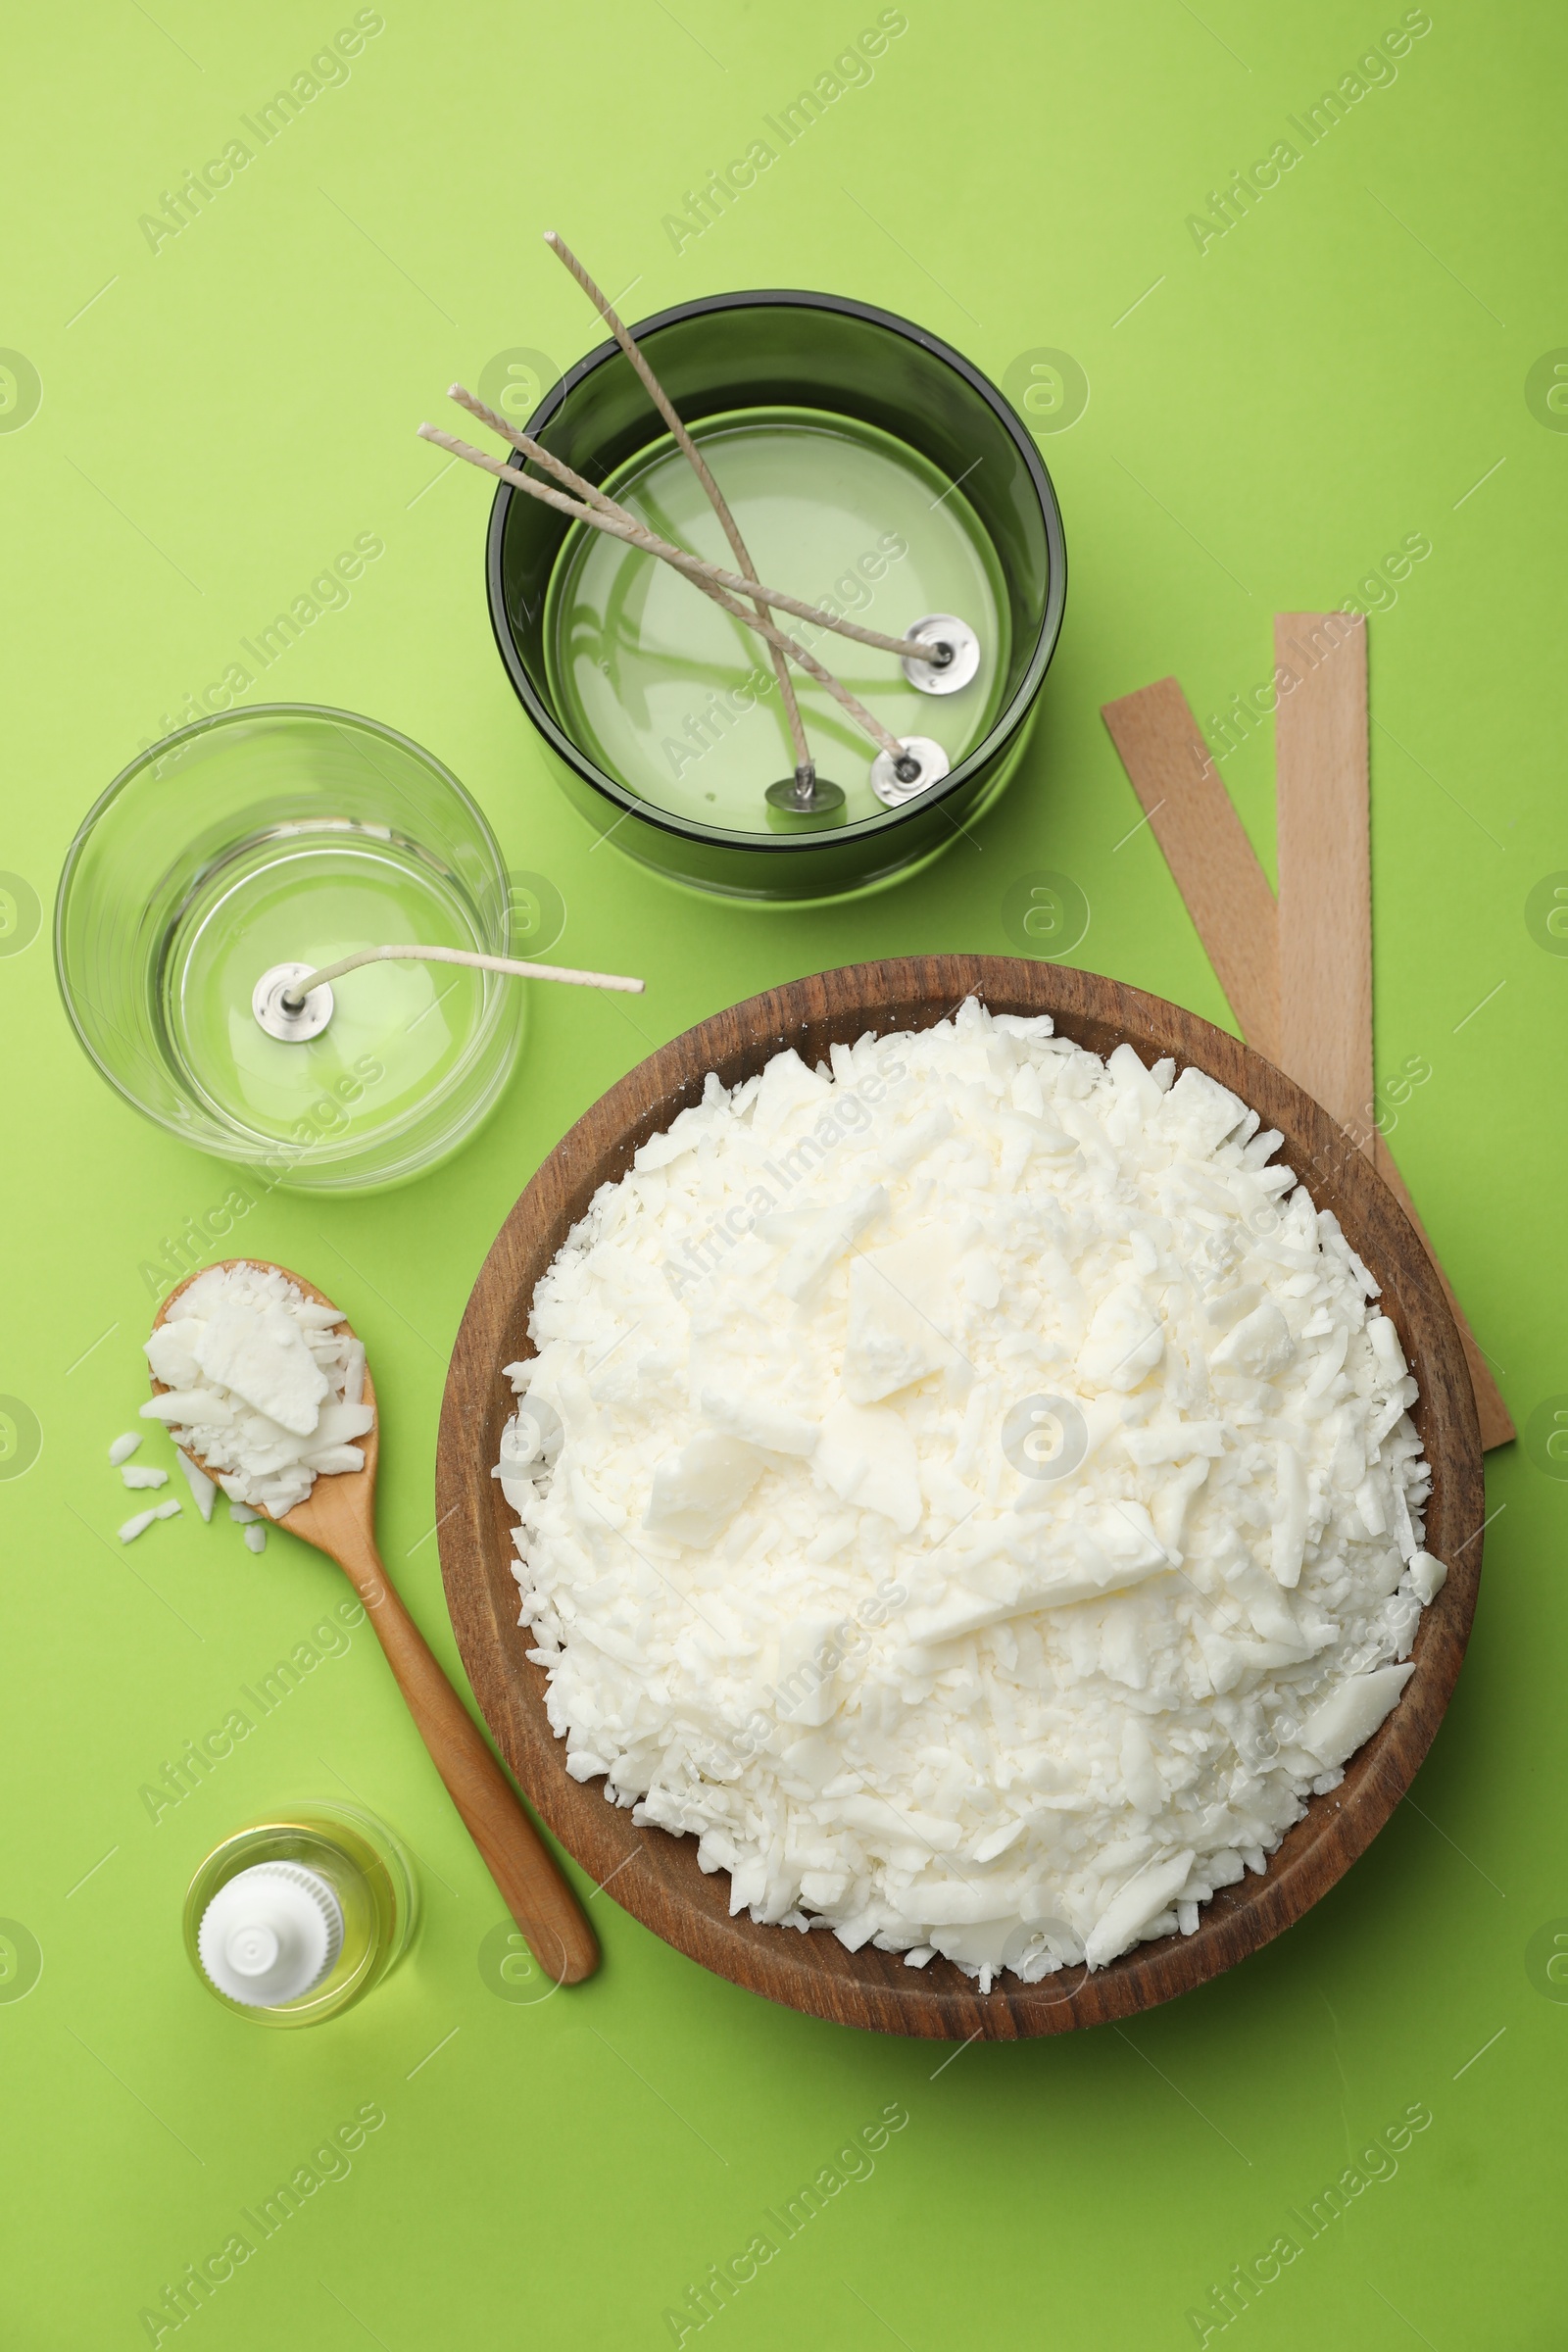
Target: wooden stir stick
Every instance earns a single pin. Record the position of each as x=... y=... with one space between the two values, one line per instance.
x=1323 y=1041
x=1323 y=817
x=1194 y=820
x=1323 y=802
x=338 y=1517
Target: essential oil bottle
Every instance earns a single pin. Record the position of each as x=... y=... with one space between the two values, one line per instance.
x=295 y=1919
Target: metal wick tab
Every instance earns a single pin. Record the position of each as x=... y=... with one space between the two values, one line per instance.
x=805 y=793
x=949 y=658
x=911 y=768
x=284 y=1011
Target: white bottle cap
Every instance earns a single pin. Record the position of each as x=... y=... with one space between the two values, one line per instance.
x=270 y=1934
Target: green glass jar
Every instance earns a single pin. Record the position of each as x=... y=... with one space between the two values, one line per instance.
x=869 y=467
x=296 y=1919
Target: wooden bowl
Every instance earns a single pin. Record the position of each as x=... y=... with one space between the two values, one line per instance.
x=655 y=1876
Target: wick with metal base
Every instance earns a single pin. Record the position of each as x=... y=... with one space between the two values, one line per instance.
x=909 y=767
x=938 y=656
x=294 y=1003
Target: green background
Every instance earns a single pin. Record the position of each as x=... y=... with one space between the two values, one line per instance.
x=1266 y=420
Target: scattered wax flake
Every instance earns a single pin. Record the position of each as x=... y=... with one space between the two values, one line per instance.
x=203 y=1491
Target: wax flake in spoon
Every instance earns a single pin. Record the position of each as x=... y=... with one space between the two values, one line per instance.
x=262 y=1357
x=262 y=1384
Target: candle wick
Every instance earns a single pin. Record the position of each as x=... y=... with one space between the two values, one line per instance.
x=622 y=525
x=803 y=794
x=689 y=450
x=936 y=653
x=282 y=998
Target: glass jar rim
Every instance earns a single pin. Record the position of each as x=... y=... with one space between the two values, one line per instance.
x=495 y=1011
x=1006 y=721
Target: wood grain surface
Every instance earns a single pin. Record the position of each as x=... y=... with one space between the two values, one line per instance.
x=1234 y=913
x=1322 y=792
x=1323 y=830
x=1191 y=816
x=339 y=1518
x=656 y=1876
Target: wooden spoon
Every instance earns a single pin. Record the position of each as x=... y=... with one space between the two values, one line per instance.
x=338 y=1517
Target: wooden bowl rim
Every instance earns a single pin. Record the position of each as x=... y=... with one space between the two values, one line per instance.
x=654 y=1875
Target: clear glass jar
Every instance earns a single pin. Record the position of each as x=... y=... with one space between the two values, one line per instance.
x=283 y=833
